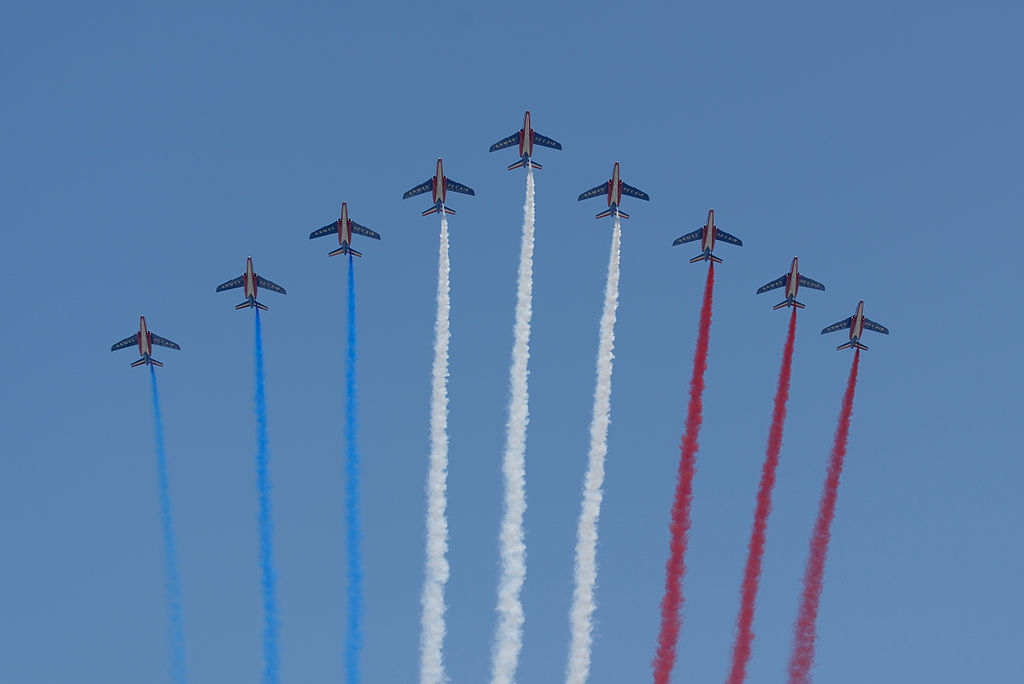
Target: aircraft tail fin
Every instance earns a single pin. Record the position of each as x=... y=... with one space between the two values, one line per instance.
x=786 y=302
x=610 y=211
x=145 y=360
x=345 y=249
x=852 y=344
x=248 y=303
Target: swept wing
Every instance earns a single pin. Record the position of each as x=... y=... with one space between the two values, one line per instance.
x=457 y=187
x=425 y=186
x=689 y=237
x=268 y=285
x=840 y=325
x=126 y=342
x=813 y=284
x=778 y=282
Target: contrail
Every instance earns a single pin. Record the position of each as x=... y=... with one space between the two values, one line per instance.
x=354 y=635
x=679 y=528
x=172 y=581
x=806 y=624
x=755 y=550
x=433 y=620
x=266 y=527
x=509 y=641
x=582 y=611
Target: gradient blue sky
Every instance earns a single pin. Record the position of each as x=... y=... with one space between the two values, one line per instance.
x=146 y=151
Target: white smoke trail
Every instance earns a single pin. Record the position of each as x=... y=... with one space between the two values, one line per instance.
x=433 y=620
x=580 y=616
x=509 y=639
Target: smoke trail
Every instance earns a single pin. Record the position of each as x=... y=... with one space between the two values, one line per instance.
x=270 y=626
x=675 y=568
x=432 y=620
x=806 y=625
x=509 y=640
x=172 y=581
x=583 y=605
x=354 y=635
x=755 y=550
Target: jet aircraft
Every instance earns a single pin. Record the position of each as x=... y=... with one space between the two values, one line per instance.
x=792 y=282
x=857 y=324
x=344 y=227
x=707 y=234
x=145 y=341
x=614 y=189
x=438 y=185
x=250 y=281
x=526 y=139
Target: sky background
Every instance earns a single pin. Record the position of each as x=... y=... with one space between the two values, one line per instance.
x=146 y=151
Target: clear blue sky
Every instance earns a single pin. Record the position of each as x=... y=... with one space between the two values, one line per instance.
x=145 y=152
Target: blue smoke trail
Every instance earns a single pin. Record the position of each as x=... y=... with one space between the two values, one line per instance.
x=270 y=627
x=354 y=635
x=175 y=628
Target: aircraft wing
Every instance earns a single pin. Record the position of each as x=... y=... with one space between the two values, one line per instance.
x=841 y=325
x=231 y=284
x=329 y=229
x=126 y=342
x=725 y=237
x=162 y=341
x=778 y=282
x=458 y=187
x=544 y=141
x=507 y=142
x=601 y=189
x=871 y=325
x=267 y=285
x=363 y=230
x=425 y=186
x=813 y=284
x=689 y=237
x=633 y=192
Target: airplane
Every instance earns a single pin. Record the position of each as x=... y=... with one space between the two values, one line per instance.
x=707 y=234
x=526 y=139
x=438 y=185
x=857 y=324
x=250 y=281
x=344 y=227
x=792 y=282
x=145 y=341
x=614 y=189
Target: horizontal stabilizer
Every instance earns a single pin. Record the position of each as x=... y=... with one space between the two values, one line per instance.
x=518 y=165
x=851 y=344
x=609 y=212
x=448 y=211
x=345 y=249
x=428 y=212
x=788 y=302
x=139 y=362
x=535 y=165
x=705 y=257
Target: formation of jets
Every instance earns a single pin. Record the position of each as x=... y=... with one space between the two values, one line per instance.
x=526 y=139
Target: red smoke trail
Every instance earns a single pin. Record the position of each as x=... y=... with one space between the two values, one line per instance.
x=672 y=601
x=755 y=551
x=803 y=646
